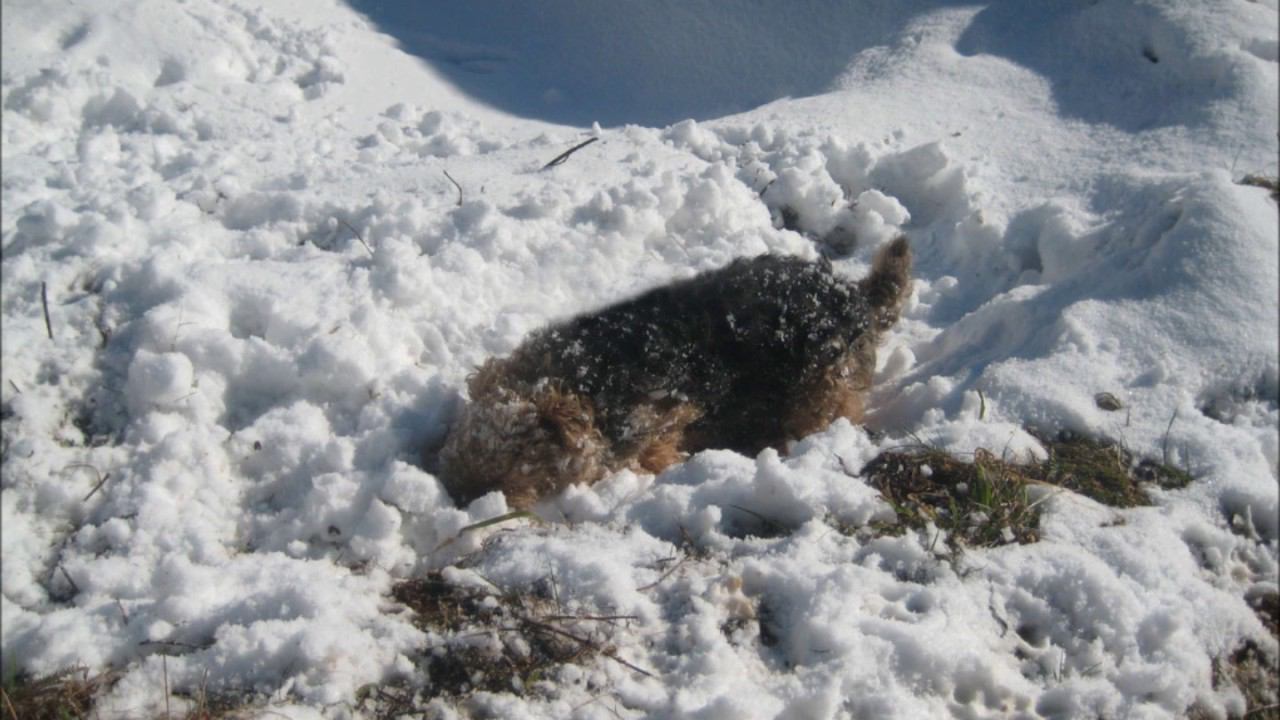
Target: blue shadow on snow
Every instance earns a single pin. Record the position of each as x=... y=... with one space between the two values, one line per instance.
x=649 y=62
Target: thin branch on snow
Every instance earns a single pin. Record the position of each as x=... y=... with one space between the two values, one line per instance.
x=74 y=587
x=455 y=184
x=565 y=155
x=356 y=232
x=610 y=653
x=44 y=302
x=665 y=575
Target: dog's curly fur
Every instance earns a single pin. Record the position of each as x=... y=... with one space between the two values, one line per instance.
x=764 y=350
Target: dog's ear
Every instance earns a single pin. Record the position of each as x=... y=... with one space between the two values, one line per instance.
x=889 y=284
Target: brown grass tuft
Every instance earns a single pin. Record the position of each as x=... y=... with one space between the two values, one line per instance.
x=65 y=694
x=978 y=503
x=1255 y=675
x=71 y=694
x=984 y=502
x=1106 y=471
x=501 y=641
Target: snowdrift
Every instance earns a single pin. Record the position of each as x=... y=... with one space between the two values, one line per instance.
x=250 y=255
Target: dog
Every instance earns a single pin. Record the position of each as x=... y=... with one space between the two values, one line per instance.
x=762 y=351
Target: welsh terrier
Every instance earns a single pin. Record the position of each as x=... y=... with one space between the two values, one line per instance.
x=764 y=350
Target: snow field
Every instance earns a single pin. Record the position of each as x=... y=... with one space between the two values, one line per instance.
x=265 y=295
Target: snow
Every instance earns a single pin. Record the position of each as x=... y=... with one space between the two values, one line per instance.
x=265 y=294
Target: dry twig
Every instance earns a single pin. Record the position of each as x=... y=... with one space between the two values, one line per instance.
x=44 y=302
x=486 y=523
x=74 y=587
x=13 y=714
x=771 y=524
x=95 y=487
x=455 y=184
x=596 y=618
x=1164 y=442
x=102 y=479
x=565 y=155
x=610 y=653
x=356 y=232
x=175 y=643
x=665 y=575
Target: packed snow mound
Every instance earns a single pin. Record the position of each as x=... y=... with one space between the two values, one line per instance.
x=1136 y=64
x=271 y=245
x=637 y=62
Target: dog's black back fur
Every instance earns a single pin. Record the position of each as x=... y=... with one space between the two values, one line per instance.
x=735 y=341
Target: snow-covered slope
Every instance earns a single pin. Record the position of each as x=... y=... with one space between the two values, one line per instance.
x=265 y=293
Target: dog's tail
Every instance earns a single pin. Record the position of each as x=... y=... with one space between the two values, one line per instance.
x=889 y=284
